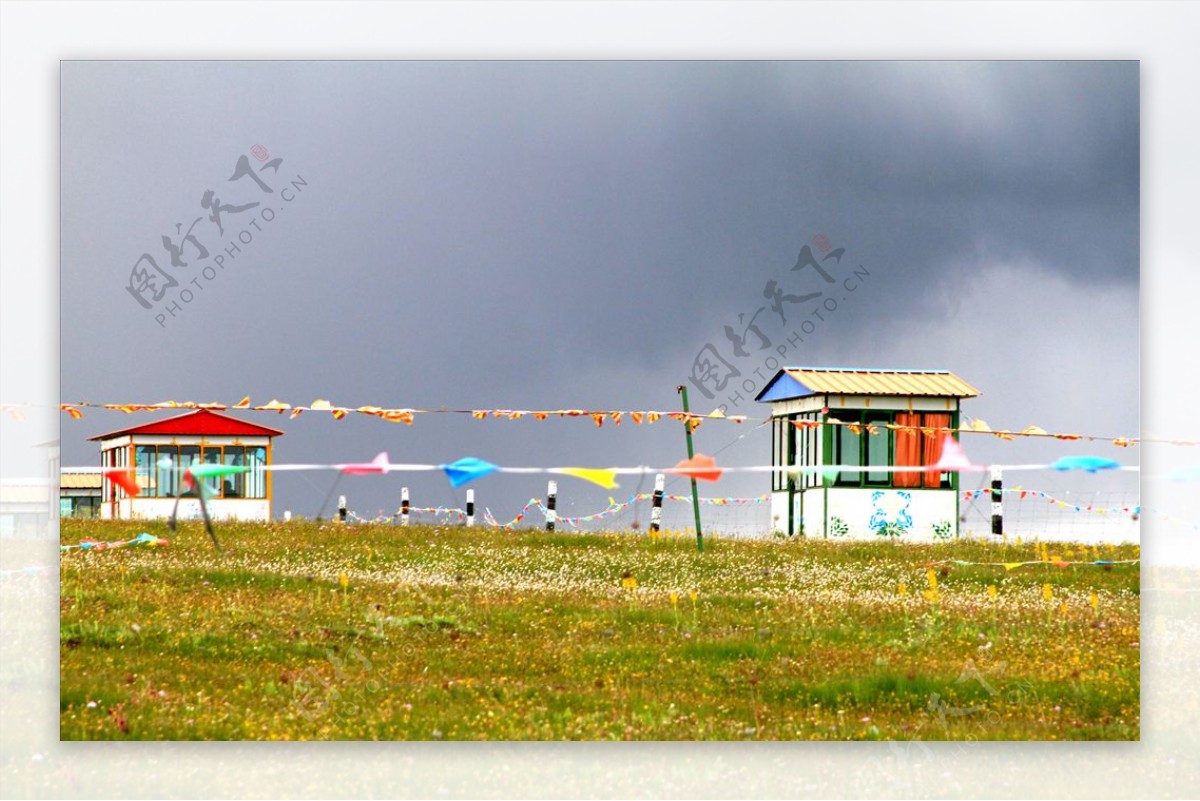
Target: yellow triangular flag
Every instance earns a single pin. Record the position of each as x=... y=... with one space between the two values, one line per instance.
x=605 y=478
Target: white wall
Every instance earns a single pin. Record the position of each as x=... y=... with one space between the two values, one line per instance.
x=916 y=511
x=189 y=509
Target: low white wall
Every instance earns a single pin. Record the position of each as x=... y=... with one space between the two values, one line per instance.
x=915 y=514
x=189 y=509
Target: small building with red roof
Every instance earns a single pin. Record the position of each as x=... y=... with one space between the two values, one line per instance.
x=160 y=452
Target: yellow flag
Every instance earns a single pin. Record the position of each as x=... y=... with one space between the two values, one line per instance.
x=605 y=478
x=1012 y=565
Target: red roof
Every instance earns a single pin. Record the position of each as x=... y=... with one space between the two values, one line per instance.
x=199 y=422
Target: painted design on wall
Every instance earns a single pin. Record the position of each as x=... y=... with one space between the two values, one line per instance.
x=838 y=527
x=943 y=530
x=890 y=515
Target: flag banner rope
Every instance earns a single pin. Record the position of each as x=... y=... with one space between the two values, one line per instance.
x=407 y=416
x=1022 y=493
x=1014 y=565
x=700 y=467
x=614 y=507
x=697 y=467
x=141 y=539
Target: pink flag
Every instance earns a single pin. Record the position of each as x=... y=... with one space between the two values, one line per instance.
x=377 y=465
x=953 y=456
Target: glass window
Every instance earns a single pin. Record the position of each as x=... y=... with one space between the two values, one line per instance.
x=188 y=455
x=256 y=479
x=778 y=438
x=908 y=449
x=936 y=428
x=799 y=447
x=878 y=446
x=779 y=453
x=233 y=486
x=848 y=448
x=168 y=471
x=145 y=475
x=212 y=455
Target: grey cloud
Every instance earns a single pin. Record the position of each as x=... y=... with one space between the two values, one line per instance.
x=550 y=234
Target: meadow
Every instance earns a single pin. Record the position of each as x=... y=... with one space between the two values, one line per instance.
x=318 y=631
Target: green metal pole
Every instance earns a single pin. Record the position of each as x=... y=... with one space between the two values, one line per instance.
x=682 y=390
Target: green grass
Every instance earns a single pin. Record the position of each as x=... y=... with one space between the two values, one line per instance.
x=304 y=631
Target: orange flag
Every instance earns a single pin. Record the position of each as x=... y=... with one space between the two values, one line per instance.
x=699 y=467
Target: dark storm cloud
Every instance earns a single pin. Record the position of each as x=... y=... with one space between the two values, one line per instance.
x=541 y=235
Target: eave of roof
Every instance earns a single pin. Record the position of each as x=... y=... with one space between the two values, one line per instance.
x=198 y=423
x=799 y=382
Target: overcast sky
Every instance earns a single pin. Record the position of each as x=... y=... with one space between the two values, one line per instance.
x=572 y=234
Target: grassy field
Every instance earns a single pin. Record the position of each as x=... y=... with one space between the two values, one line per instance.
x=304 y=631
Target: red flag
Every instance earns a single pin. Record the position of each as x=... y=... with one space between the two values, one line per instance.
x=126 y=480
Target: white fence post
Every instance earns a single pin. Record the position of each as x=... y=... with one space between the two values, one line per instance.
x=551 y=503
x=997 y=502
x=656 y=508
x=470 y=508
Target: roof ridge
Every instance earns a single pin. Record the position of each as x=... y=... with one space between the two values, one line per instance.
x=261 y=429
x=866 y=370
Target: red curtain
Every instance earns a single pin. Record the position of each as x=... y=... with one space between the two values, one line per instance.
x=933 y=439
x=908 y=450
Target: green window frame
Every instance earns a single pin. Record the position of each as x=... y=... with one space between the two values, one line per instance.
x=845 y=447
